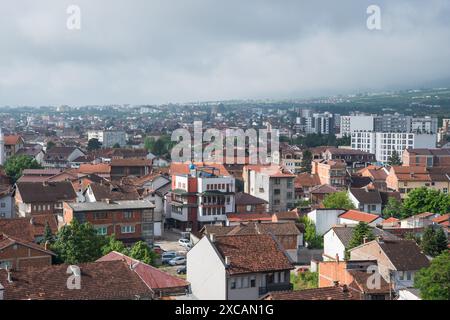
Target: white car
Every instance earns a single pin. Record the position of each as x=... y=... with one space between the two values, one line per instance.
x=177 y=261
x=184 y=242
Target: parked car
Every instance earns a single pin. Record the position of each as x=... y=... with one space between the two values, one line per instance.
x=184 y=242
x=177 y=261
x=167 y=256
x=181 y=270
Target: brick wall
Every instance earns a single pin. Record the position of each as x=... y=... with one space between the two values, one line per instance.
x=21 y=256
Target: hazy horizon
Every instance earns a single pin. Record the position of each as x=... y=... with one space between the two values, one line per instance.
x=155 y=52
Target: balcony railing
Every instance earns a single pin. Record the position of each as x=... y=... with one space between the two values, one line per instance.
x=275 y=287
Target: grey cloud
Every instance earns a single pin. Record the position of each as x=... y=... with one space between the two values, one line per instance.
x=157 y=51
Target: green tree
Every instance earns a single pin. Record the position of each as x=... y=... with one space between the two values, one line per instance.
x=48 y=234
x=94 y=144
x=434 y=241
x=78 y=243
x=15 y=165
x=306 y=161
x=305 y=280
x=149 y=143
x=116 y=146
x=50 y=144
x=338 y=200
x=423 y=199
x=394 y=159
x=112 y=244
x=434 y=282
x=313 y=240
x=393 y=208
x=142 y=252
x=360 y=232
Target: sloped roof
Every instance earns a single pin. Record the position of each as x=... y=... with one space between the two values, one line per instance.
x=252 y=253
x=32 y=192
x=152 y=277
x=243 y=198
x=325 y=293
x=345 y=233
x=107 y=280
x=404 y=254
x=28 y=229
x=359 y=216
x=366 y=196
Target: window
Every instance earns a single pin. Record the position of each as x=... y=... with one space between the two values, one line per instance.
x=289 y=195
x=2 y=205
x=100 y=215
x=276 y=191
x=408 y=275
x=127 y=229
x=102 y=231
x=128 y=215
x=252 y=281
x=233 y=284
x=401 y=275
x=277 y=181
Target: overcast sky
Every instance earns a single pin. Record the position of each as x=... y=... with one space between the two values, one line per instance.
x=158 y=51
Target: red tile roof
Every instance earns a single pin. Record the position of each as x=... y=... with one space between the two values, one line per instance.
x=252 y=253
x=95 y=168
x=326 y=293
x=7 y=240
x=442 y=219
x=359 y=216
x=108 y=280
x=12 y=139
x=237 y=217
x=22 y=228
x=273 y=171
x=152 y=277
x=179 y=168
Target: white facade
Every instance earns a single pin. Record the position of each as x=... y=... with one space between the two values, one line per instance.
x=332 y=247
x=382 y=144
x=108 y=138
x=324 y=219
x=350 y=124
x=374 y=208
x=205 y=271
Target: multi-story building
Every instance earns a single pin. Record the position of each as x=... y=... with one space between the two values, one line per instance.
x=382 y=144
x=108 y=138
x=237 y=267
x=129 y=220
x=201 y=197
x=2 y=148
x=330 y=172
x=426 y=157
x=291 y=157
x=37 y=198
x=320 y=123
x=404 y=179
x=354 y=158
x=271 y=183
x=356 y=123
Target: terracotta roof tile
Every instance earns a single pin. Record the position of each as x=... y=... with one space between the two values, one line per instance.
x=252 y=253
x=359 y=216
x=326 y=293
x=109 y=280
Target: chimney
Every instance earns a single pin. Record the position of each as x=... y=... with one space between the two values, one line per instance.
x=227 y=260
x=364 y=239
x=380 y=239
x=212 y=237
x=337 y=258
x=45 y=183
x=32 y=221
x=2 y=290
x=336 y=283
x=344 y=288
x=46 y=245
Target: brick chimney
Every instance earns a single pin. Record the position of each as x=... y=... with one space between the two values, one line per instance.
x=32 y=221
x=212 y=237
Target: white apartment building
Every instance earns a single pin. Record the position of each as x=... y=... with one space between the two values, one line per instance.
x=108 y=138
x=382 y=144
x=356 y=123
x=388 y=123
